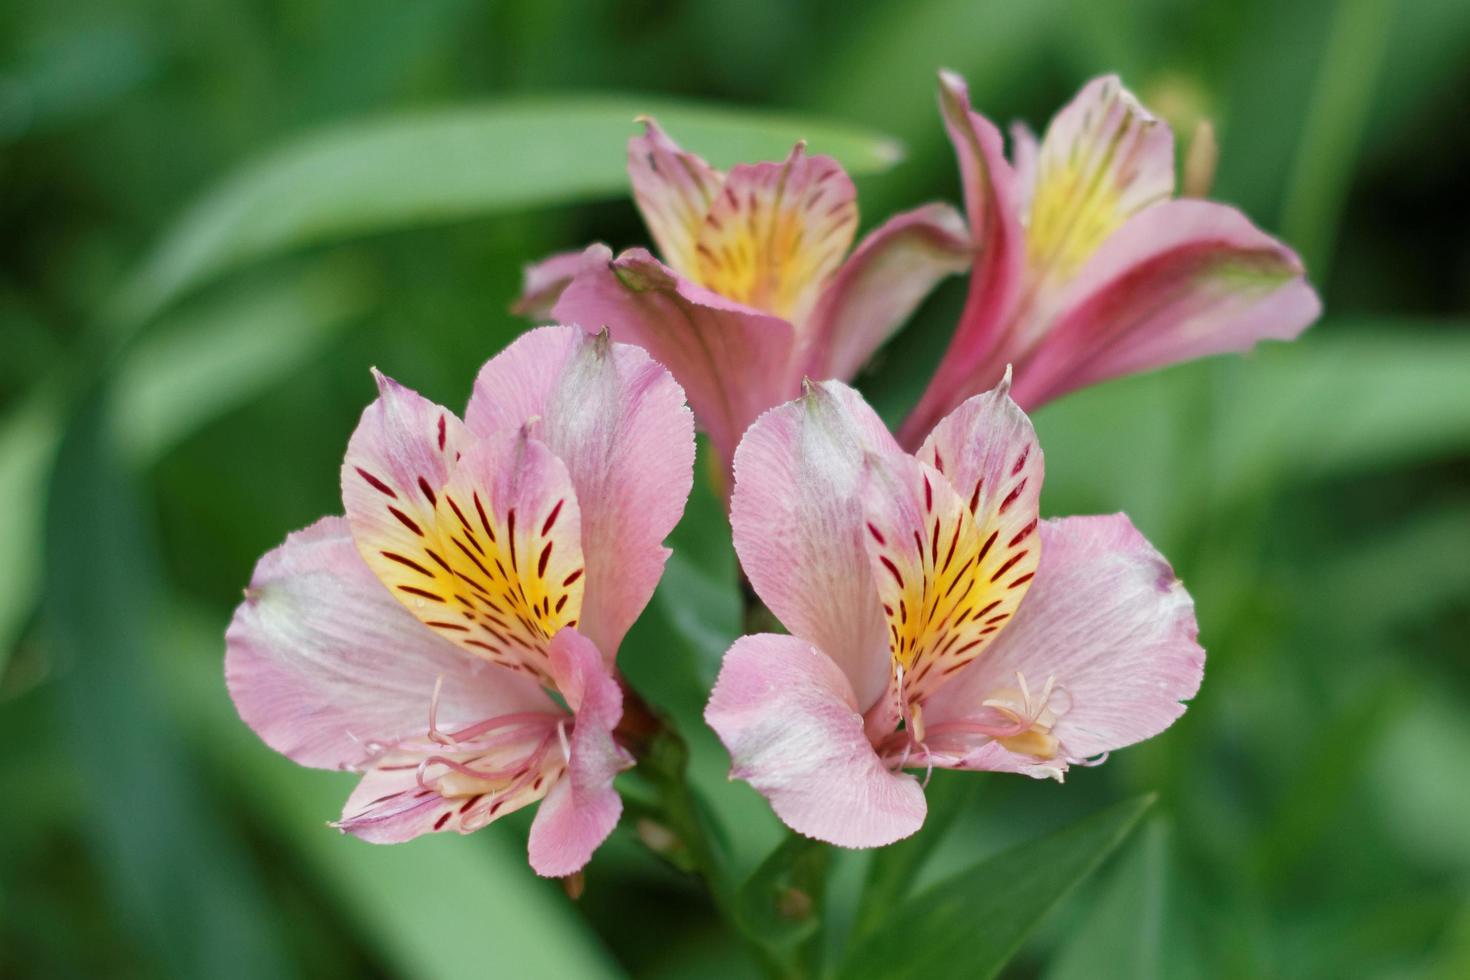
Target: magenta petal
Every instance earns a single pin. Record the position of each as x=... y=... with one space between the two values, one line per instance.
x=1109 y=621
x=542 y=284
x=797 y=516
x=992 y=205
x=582 y=807
x=1180 y=280
x=880 y=285
x=617 y=420
x=326 y=665
x=733 y=362
x=788 y=716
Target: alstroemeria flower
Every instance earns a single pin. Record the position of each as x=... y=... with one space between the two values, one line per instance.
x=935 y=620
x=1087 y=267
x=481 y=564
x=753 y=292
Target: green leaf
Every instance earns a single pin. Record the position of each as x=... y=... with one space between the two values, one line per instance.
x=186 y=887
x=780 y=905
x=201 y=364
x=1327 y=153
x=1121 y=934
x=28 y=439
x=968 y=926
x=435 y=166
x=894 y=867
x=700 y=589
x=184 y=375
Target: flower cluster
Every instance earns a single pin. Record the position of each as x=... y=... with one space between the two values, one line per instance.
x=453 y=636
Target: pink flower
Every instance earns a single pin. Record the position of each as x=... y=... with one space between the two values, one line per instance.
x=1087 y=268
x=481 y=564
x=935 y=620
x=755 y=293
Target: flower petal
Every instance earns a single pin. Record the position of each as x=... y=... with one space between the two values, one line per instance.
x=617 y=419
x=788 y=716
x=883 y=282
x=673 y=190
x=582 y=807
x=1182 y=280
x=1107 y=618
x=392 y=804
x=988 y=451
x=1103 y=159
x=732 y=361
x=326 y=667
x=542 y=283
x=776 y=232
x=992 y=196
x=797 y=516
x=947 y=580
x=490 y=555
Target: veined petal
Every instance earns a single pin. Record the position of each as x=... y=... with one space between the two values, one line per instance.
x=489 y=557
x=880 y=285
x=733 y=362
x=948 y=582
x=1103 y=159
x=427 y=788
x=542 y=283
x=988 y=451
x=617 y=419
x=789 y=719
x=992 y=207
x=582 y=807
x=673 y=189
x=1178 y=281
x=1112 y=629
x=797 y=517
x=329 y=669
x=776 y=231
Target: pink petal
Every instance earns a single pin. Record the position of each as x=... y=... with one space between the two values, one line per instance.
x=988 y=451
x=673 y=190
x=992 y=207
x=776 y=232
x=797 y=516
x=617 y=420
x=325 y=665
x=1178 y=281
x=1025 y=159
x=582 y=807
x=880 y=286
x=1107 y=618
x=788 y=716
x=390 y=805
x=732 y=361
x=480 y=539
x=1104 y=158
x=947 y=581
x=542 y=283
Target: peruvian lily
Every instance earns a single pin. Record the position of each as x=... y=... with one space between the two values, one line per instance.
x=935 y=620
x=482 y=566
x=753 y=292
x=1087 y=267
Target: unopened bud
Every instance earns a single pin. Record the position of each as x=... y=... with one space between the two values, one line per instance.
x=1200 y=161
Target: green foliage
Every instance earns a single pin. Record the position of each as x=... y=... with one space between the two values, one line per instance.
x=971 y=923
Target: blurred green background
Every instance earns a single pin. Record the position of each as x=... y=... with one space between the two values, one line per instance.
x=219 y=213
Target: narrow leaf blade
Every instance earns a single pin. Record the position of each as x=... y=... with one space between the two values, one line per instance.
x=969 y=925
